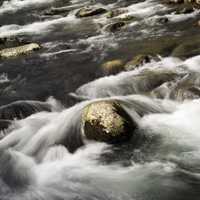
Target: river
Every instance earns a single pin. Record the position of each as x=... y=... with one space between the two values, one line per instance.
x=42 y=157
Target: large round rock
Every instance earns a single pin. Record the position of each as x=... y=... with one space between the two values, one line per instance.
x=107 y=121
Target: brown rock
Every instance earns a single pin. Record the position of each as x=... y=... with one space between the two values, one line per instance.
x=106 y=121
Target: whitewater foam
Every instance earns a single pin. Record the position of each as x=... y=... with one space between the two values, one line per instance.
x=15 y=5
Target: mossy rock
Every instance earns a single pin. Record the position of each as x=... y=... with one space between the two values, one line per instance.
x=107 y=121
x=113 y=66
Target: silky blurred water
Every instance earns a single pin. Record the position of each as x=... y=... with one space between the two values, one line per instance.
x=46 y=156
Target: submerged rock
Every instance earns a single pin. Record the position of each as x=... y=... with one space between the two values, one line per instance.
x=186 y=88
x=22 y=109
x=57 y=11
x=90 y=11
x=126 y=83
x=163 y=20
x=163 y=91
x=113 y=66
x=187 y=49
x=186 y=10
x=20 y=50
x=181 y=94
x=115 y=26
x=107 y=121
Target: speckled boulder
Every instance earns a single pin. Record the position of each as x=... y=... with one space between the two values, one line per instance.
x=107 y=121
x=20 y=50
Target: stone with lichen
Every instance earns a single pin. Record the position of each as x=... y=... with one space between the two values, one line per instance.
x=106 y=121
x=20 y=50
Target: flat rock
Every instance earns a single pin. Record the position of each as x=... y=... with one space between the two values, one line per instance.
x=20 y=50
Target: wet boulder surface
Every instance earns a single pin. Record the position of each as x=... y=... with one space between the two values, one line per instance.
x=106 y=121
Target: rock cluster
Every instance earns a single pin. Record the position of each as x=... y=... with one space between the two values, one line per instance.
x=118 y=65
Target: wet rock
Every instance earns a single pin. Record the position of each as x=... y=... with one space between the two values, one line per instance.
x=138 y=61
x=163 y=20
x=22 y=109
x=185 y=93
x=106 y=121
x=187 y=49
x=20 y=50
x=90 y=11
x=115 y=26
x=186 y=88
x=163 y=91
x=186 y=10
x=113 y=66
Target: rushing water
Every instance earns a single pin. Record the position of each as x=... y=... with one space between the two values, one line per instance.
x=45 y=155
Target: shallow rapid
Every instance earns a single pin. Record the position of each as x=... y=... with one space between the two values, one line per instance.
x=44 y=151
